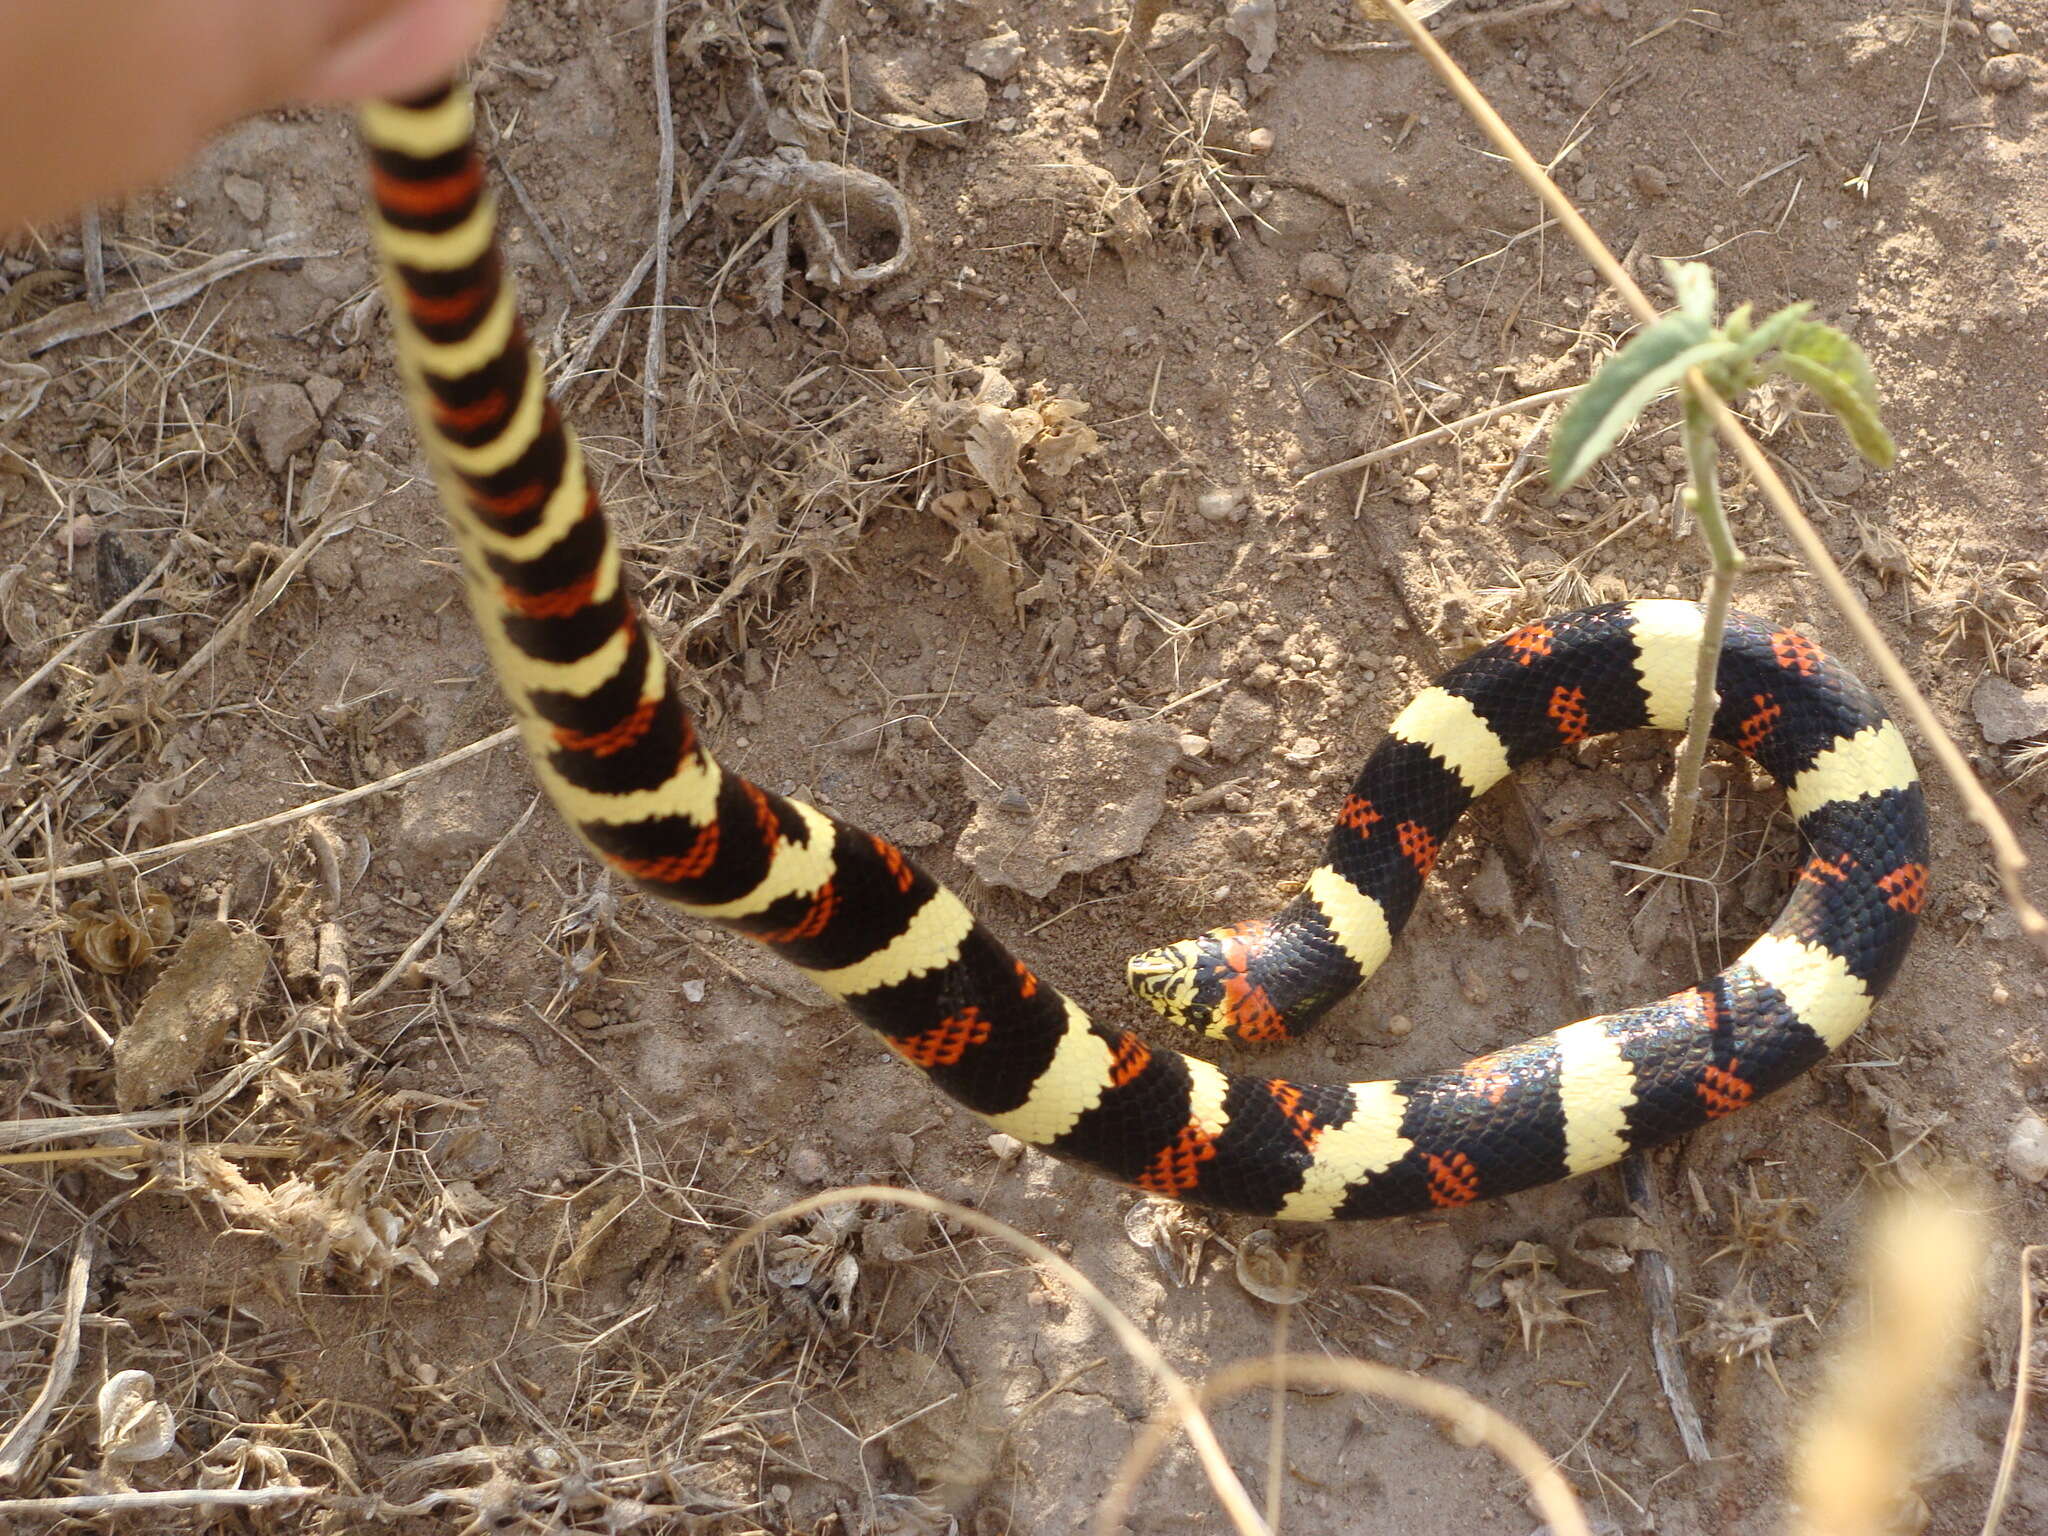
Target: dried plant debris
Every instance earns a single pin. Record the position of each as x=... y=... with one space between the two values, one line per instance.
x=841 y=207
x=113 y=942
x=135 y=1425
x=314 y=1221
x=1173 y=1234
x=1270 y=1272
x=815 y=1272
x=1760 y=1223
x=1523 y=1279
x=1736 y=1327
x=219 y=974
x=1008 y=443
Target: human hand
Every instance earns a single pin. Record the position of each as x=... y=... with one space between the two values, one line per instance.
x=102 y=96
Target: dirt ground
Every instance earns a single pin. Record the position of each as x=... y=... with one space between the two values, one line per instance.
x=440 y=1252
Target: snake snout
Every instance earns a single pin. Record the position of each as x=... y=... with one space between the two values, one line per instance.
x=1168 y=979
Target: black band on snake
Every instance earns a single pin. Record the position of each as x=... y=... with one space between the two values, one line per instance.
x=620 y=757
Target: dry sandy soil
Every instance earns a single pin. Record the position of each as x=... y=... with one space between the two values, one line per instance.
x=440 y=1254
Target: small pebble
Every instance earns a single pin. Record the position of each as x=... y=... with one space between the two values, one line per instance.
x=1518 y=973
x=2026 y=1149
x=996 y=58
x=2002 y=37
x=1400 y=1026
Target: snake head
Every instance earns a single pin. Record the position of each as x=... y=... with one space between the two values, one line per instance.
x=1210 y=983
x=1169 y=980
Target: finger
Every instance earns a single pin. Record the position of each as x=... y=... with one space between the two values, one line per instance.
x=101 y=96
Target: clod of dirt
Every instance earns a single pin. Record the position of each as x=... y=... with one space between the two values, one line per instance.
x=996 y=57
x=21 y=388
x=219 y=972
x=1324 y=274
x=1060 y=792
x=1256 y=24
x=946 y=1434
x=1612 y=1242
x=1242 y=726
x=2026 y=1149
x=2006 y=712
x=2010 y=71
x=613 y=1240
x=1384 y=287
x=1489 y=891
x=280 y=420
x=1221 y=121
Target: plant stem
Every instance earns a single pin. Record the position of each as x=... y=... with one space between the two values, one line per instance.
x=2010 y=858
x=1703 y=496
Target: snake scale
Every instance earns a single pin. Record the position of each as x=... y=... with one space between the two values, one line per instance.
x=620 y=757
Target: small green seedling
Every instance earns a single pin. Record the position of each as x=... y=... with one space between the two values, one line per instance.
x=1732 y=358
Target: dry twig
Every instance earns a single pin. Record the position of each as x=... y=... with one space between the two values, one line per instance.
x=84 y=318
x=2022 y=1386
x=152 y=856
x=1180 y=1396
x=21 y=1440
x=1468 y=1419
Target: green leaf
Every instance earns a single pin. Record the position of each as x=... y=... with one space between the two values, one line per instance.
x=1614 y=397
x=1739 y=373
x=1834 y=367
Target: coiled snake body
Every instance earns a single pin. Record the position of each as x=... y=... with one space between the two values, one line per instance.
x=620 y=757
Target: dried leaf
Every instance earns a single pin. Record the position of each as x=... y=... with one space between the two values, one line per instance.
x=1268 y=1271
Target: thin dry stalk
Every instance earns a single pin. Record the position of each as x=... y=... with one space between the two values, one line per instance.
x=1437 y=434
x=579 y=359
x=22 y=1133
x=1853 y=1469
x=419 y=945
x=267 y=592
x=664 y=207
x=1180 y=1396
x=2022 y=1386
x=85 y=318
x=153 y=856
x=159 y=1498
x=2007 y=855
x=20 y=1444
x=1470 y=1421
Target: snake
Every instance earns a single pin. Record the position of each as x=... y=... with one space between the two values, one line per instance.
x=620 y=757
